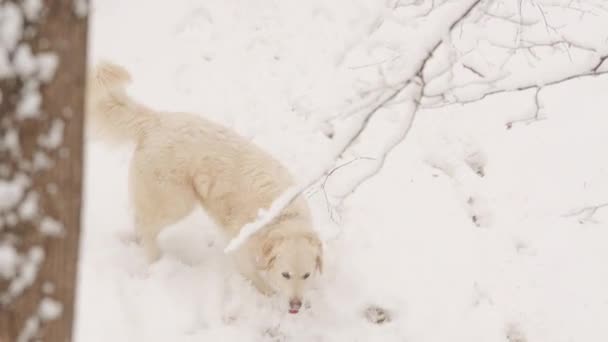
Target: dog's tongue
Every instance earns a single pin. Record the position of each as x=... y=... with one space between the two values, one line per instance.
x=293 y=311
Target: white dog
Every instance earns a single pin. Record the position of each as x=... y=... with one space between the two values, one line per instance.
x=182 y=160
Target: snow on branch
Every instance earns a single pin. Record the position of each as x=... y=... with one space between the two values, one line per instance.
x=492 y=90
x=585 y=215
x=518 y=46
x=264 y=218
x=411 y=79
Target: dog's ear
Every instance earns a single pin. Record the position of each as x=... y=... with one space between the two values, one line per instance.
x=266 y=256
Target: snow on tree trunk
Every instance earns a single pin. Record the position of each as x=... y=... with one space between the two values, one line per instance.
x=42 y=77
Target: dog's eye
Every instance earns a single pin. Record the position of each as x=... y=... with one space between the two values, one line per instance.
x=285 y=275
x=306 y=275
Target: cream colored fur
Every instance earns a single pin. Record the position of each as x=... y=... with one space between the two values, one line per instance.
x=182 y=160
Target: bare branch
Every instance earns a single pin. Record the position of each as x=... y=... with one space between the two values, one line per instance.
x=510 y=19
x=403 y=132
x=374 y=64
x=585 y=215
x=473 y=70
x=482 y=96
x=291 y=194
x=599 y=63
x=323 y=187
x=542 y=13
x=535 y=115
x=529 y=44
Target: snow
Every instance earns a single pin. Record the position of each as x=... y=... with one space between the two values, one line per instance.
x=47 y=65
x=28 y=209
x=11 y=25
x=30 y=329
x=24 y=63
x=81 y=7
x=478 y=227
x=11 y=141
x=9 y=259
x=54 y=137
x=29 y=102
x=10 y=194
x=32 y=9
x=12 y=191
x=49 y=309
x=28 y=270
x=27 y=65
x=41 y=161
x=264 y=218
x=51 y=227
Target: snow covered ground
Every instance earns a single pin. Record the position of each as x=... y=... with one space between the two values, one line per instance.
x=478 y=228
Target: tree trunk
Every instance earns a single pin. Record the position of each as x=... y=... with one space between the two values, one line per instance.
x=41 y=147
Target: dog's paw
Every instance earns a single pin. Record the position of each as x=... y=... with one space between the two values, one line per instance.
x=377 y=315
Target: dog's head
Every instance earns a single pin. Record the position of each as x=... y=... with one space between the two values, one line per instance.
x=289 y=263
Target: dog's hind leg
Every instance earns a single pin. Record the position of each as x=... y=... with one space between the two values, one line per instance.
x=158 y=202
x=148 y=234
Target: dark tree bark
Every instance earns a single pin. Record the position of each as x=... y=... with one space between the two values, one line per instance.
x=41 y=154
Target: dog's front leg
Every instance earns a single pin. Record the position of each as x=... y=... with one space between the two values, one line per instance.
x=261 y=285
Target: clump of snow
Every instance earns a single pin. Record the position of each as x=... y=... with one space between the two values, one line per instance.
x=81 y=8
x=30 y=101
x=11 y=142
x=26 y=276
x=11 y=191
x=9 y=260
x=54 y=137
x=41 y=66
x=28 y=209
x=265 y=216
x=10 y=194
x=11 y=25
x=29 y=330
x=51 y=227
x=49 y=309
x=24 y=62
x=32 y=9
x=47 y=63
x=41 y=161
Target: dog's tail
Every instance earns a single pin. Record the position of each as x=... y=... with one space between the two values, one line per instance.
x=111 y=113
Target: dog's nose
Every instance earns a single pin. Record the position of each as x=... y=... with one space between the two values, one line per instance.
x=294 y=305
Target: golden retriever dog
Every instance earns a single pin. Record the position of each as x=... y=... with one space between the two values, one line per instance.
x=181 y=160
